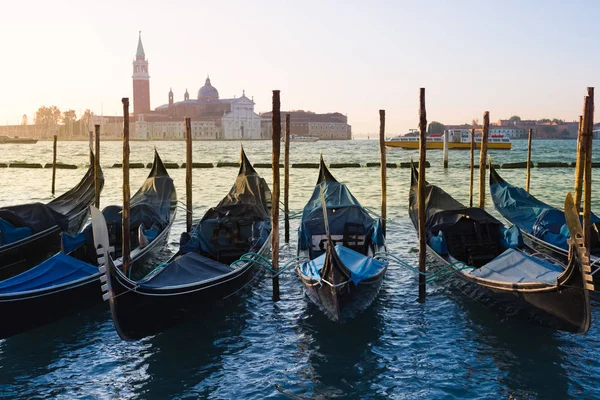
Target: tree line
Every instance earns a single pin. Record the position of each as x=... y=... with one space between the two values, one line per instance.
x=62 y=123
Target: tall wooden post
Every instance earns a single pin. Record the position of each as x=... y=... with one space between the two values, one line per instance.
x=54 y=164
x=188 y=174
x=580 y=160
x=445 y=149
x=276 y=122
x=421 y=193
x=97 y=188
x=483 y=157
x=472 y=167
x=383 y=170
x=91 y=145
x=126 y=245
x=529 y=159
x=587 y=177
x=286 y=177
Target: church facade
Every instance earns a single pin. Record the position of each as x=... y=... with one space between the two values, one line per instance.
x=212 y=117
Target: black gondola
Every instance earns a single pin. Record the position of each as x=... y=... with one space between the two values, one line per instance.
x=490 y=263
x=30 y=233
x=342 y=278
x=68 y=282
x=544 y=227
x=205 y=270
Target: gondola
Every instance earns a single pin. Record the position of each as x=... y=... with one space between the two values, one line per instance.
x=543 y=226
x=68 y=282
x=491 y=264
x=30 y=233
x=342 y=277
x=208 y=267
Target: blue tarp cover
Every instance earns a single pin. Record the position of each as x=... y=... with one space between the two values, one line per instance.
x=342 y=208
x=10 y=233
x=56 y=270
x=361 y=267
x=189 y=268
x=532 y=215
x=516 y=267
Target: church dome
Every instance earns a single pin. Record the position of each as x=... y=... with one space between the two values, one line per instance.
x=208 y=91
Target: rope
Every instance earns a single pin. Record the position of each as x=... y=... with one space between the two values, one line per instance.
x=429 y=277
x=183 y=207
x=263 y=262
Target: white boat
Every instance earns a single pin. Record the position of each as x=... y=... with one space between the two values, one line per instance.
x=457 y=139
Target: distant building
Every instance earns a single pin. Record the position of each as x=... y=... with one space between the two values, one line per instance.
x=211 y=116
x=511 y=132
x=228 y=118
x=330 y=126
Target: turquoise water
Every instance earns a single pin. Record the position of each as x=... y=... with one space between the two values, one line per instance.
x=448 y=347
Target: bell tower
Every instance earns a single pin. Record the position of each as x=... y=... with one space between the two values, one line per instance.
x=141 y=81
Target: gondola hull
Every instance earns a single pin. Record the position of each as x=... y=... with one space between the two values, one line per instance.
x=212 y=264
x=26 y=253
x=25 y=307
x=343 y=302
x=28 y=310
x=559 y=303
x=139 y=312
x=24 y=312
x=563 y=307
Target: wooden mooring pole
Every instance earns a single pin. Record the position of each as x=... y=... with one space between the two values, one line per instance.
x=276 y=122
x=445 y=149
x=91 y=145
x=54 y=164
x=97 y=188
x=188 y=174
x=383 y=169
x=286 y=177
x=472 y=167
x=483 y=158
x=587 y=177
x=421 y=193
x=529 y=159
x=126 y=245
x=580 y=160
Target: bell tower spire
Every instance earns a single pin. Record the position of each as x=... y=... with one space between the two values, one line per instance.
x=141 y=80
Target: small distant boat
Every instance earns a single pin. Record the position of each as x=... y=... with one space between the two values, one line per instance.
x=68 y=282
x=342 y=277
x=30 y=233
x=16 y=140
x=491 y=264
x=296 y=138
x=209 y=267
x=543 y=226
x=458 y=139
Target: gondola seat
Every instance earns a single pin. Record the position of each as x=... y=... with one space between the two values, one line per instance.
x=473 y=242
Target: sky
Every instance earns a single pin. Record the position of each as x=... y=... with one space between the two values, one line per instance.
x=528 y=58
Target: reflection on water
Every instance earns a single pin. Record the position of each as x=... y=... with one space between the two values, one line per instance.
x=448 y=347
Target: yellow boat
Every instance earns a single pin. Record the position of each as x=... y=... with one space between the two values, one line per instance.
x=458 y=139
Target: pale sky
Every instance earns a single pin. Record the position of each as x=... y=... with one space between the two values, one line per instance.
x=530 y=58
